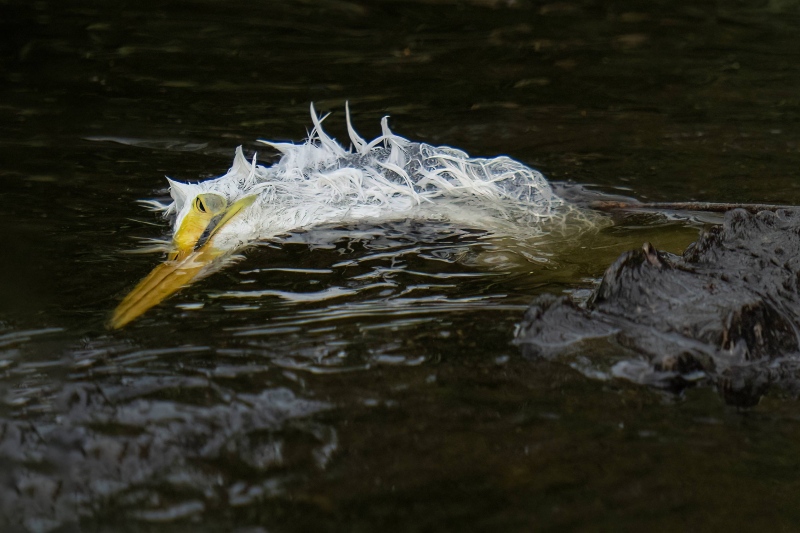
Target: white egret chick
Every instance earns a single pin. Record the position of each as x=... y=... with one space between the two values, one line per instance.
x=321 y=182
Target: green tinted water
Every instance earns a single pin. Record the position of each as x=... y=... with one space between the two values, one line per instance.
x=401 y=405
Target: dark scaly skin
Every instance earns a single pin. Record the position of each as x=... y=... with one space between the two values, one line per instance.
x=728 y=309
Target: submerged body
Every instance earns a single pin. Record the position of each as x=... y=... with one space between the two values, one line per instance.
x=320 y=182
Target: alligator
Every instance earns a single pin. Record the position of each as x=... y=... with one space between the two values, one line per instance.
x=726 y=312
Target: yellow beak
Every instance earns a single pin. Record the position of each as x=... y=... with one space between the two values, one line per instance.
x=186 y=262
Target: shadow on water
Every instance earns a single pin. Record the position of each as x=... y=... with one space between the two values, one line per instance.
x=363 y=378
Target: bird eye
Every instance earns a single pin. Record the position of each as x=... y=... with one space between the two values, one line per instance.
x=198 y=203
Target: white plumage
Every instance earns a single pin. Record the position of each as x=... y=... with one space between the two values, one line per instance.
x=320 y=182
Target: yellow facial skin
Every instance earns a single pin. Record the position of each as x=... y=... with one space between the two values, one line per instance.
x=186 y=262
x=205 y=208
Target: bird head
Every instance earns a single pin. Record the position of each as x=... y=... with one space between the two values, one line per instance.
x=193 y=251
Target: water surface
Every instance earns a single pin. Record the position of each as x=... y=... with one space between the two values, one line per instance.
x=362 y=378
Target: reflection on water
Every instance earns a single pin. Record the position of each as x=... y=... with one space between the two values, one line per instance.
x=362 y=378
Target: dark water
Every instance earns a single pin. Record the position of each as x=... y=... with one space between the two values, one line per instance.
x=400 y=404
